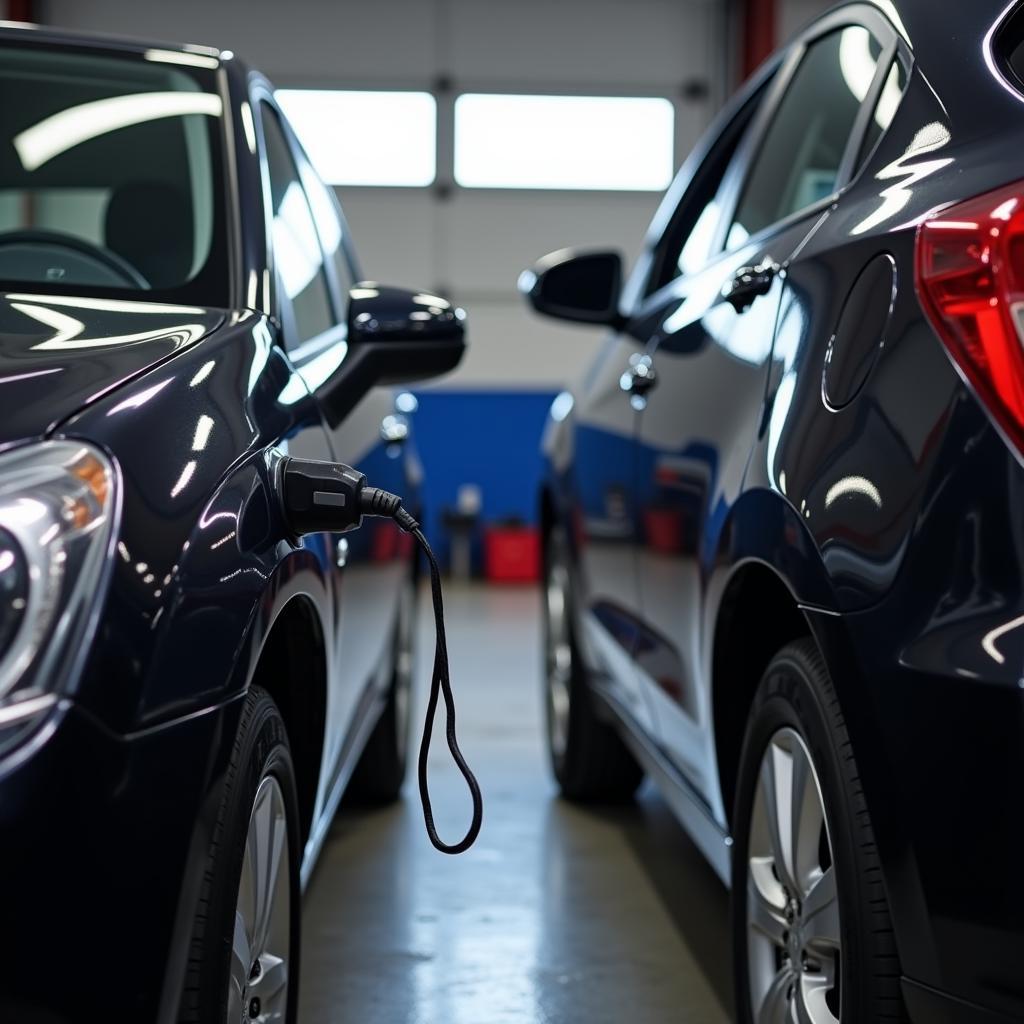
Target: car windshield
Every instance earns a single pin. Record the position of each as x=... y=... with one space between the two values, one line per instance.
x=109 y=174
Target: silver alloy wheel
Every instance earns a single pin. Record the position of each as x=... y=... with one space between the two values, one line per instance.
x=258 y=985
x=793 y=938
x=557 y=645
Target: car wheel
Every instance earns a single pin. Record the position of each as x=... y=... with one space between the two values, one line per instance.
x=813 y=939
x=244 y=956
x=588 y=757
x=380 y=772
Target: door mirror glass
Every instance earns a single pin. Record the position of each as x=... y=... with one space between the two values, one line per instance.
x=580 y=286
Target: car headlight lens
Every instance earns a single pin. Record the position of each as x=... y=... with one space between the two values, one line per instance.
x=14 y=592
x=57 y=509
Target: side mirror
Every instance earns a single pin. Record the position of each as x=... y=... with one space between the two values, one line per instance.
x=580 y=286
x=395 y=336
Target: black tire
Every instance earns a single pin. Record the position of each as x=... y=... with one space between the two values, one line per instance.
x=381 y=769
x=589 y=760
x=796 y=696
x=260 y=753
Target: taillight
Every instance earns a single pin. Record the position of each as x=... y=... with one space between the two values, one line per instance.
x=970 y=280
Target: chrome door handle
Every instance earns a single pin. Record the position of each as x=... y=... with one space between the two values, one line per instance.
x=748 y=283
x=394 y=429
x=640 y=378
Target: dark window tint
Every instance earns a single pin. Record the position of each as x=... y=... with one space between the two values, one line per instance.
x=799 y=160
x=329 y=224
x=298 y=258
x=110 y=176
x=885 y=110
x=1010 y=44
x=687 y=244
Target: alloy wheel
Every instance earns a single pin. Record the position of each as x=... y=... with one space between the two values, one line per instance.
x=793 y=935
x=258 y=984
x=557 y=647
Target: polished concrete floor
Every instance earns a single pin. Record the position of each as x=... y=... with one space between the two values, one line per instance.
x=559 y=914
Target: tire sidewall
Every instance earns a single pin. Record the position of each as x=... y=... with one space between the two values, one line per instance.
x=788 y=697
x=261 y=750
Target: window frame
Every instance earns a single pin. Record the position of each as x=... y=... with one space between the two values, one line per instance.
x=737 y=120
x=893 y=47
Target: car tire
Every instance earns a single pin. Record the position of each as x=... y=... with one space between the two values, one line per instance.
x=811 y=919
x=244 y=953
x=589 y=760
x=381 y=769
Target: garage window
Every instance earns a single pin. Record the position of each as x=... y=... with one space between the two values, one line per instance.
x=365 y=138
x=564 y=142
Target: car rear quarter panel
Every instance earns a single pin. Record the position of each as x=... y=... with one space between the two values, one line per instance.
x=911 y=500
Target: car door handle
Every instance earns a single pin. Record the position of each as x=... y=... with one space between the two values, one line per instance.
x=394 y=429
x=640 y=378
x=748 y=283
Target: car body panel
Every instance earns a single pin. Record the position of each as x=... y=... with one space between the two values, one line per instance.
x=119 y=784
x=694 y=441
x=888 y=516
x=62 y=353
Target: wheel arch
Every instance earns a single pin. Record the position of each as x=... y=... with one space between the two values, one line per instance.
x=292 y=667
x=756 y=617
x=771 y=569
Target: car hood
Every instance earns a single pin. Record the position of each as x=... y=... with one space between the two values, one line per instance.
x=59 y=353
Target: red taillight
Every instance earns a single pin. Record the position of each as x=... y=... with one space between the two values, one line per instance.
x=970 y=279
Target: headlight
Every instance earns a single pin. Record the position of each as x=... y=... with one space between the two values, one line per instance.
x=57 y=505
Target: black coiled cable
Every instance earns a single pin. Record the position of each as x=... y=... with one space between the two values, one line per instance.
x=376 y=502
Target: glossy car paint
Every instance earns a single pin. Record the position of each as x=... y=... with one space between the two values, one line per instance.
x=736 y=499
x=106 y=810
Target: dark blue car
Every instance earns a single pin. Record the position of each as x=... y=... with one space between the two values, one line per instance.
x=784 y=518
x=186 y=688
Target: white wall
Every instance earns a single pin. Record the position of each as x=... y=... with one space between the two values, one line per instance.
x=471 y=243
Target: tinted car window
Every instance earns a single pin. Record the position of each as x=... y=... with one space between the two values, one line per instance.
x=1010 y=44
x=298 y=258
x=329 y=223
x=110 y=175
x=799 y=159
x=885 y=110
x=687 y=244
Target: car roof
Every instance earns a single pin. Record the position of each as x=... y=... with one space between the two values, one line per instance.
x=20 y=32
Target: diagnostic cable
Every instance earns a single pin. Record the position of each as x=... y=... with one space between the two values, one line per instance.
x=321 y=497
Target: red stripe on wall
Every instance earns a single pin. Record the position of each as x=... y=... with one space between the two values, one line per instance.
x=21 y=10
x=757 y=33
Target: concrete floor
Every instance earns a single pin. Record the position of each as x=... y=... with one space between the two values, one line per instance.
x=558 y=915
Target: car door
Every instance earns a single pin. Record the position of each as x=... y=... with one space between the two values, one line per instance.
x=606 y=523
x=712 y=331
x=374 y=437
x=308 y=253
x=608 y=406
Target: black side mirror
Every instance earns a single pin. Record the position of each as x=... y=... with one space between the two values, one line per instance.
x=395 y=336
x=579 y=286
